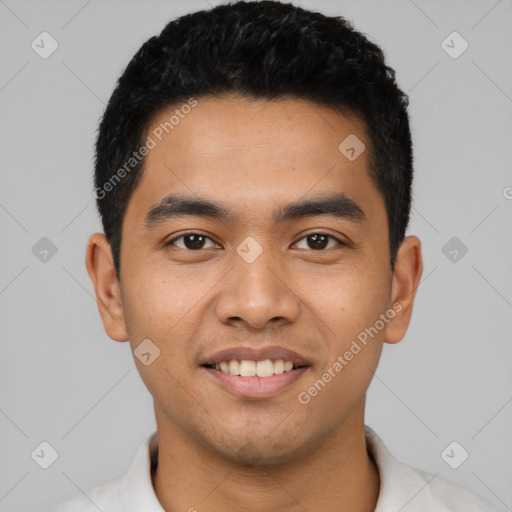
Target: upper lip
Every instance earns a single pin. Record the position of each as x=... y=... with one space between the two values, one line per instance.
x=255 y=354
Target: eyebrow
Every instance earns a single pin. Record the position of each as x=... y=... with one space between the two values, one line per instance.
x=175 y=206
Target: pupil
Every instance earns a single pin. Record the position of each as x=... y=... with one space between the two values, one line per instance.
x=323 y=243
x=197 y=241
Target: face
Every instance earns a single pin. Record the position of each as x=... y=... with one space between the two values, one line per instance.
x=288 y=291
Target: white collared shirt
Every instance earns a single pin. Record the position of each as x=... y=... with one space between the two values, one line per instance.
x=402 y=487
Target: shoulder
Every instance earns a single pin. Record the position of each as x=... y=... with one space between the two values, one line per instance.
x=445 y=496
x=106 y=496
x=133 y=489
x=410 y=489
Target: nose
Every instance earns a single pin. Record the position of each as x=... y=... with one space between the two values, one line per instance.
x=257 y=294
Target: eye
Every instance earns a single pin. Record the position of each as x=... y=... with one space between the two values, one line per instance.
x=192 y=241
x=319 y=241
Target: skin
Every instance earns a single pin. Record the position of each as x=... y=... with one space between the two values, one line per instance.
x=218 y=451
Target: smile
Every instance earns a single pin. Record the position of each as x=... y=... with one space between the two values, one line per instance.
x=248 y=368
x=255 y=379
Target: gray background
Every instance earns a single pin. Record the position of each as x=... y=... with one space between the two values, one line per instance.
x=65 y=382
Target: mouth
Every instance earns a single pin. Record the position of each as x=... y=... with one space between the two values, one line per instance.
x=255 y=374
x=247 y=368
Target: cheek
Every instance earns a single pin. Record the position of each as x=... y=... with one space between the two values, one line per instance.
x=348 y=302
x=164 y=309
x=157 y=313
x=153 y=300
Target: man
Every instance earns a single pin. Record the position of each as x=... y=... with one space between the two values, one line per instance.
x=253 y=176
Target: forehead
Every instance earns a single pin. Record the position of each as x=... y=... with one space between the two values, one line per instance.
x=254 y=153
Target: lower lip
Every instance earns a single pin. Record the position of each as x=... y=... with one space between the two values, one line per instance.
x=256 y=387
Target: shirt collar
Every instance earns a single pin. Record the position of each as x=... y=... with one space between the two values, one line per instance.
x=139 y=491
x=398 y=484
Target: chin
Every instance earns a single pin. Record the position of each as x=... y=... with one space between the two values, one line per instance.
x=251 y=456
x=261 y=449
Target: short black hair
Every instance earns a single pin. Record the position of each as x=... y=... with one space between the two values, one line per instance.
x=259 y=50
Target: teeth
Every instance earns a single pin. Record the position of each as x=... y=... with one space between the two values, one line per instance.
x=246 y=368
x=278 y=366
x=234 y=367
x=265 y=368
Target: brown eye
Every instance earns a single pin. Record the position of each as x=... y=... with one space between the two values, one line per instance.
x=191 y=241
x=319 y=241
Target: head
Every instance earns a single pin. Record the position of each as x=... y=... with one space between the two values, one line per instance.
x=291 y=123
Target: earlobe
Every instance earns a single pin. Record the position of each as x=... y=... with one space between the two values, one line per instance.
x=406 y=278
x=100 y=267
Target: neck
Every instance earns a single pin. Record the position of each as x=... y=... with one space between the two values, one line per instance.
x=338 y=474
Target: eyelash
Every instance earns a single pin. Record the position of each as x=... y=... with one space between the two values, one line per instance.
x=170 y=242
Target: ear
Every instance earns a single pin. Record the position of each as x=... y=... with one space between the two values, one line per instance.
x=99 y=263
x=406 y=278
